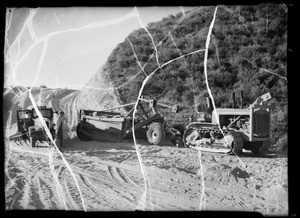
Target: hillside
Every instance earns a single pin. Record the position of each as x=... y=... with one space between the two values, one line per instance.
x=248 y=51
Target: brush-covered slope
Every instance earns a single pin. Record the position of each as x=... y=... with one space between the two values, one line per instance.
x=247 y=51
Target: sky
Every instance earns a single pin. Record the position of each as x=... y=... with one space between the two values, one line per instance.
x=65 y=47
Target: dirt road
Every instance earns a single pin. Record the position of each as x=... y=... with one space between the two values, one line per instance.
x=110 y=177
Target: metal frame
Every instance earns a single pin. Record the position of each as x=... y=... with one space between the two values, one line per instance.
x=144 y=115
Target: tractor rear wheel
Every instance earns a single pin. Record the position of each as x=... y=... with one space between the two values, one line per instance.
x=155 y=133
x=80 y=134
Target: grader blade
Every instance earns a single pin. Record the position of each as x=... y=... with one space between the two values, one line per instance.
x=214 y=149
x=87 y=132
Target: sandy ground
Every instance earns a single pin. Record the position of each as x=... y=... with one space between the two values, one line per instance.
x=102 y=176
x=110 y=178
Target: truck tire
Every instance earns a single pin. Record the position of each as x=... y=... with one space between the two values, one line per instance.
x=32 y=141
x=155 y=133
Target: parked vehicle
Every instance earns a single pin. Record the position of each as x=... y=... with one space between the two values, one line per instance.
x=233 y=129
x=106 y=125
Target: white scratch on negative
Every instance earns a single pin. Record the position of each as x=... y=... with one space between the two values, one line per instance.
x=51 y=155
x=136 y=58
x=142 y=204
x=210 y=94
x=149 y=34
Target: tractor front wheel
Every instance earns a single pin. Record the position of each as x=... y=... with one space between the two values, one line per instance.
x=155 y=133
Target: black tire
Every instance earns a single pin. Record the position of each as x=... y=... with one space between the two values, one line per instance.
x=32 y=141
x=81 y=135
x=155 y=133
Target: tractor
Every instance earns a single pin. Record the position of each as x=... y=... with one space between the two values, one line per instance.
x=231 y=129
x=30 y=125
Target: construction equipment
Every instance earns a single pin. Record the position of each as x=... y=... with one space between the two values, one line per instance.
x=231 y=129
x=30 y=125
x=24 y=121
x=106 y=125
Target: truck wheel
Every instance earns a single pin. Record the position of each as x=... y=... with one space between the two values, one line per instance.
x=80 y=134
x=155 y=133
x=32 y=141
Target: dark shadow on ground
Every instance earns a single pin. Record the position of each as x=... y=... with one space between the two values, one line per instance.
x=262 y=155
x=76 y=145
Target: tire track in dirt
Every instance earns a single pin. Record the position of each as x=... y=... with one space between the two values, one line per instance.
x=14 y=194
x=161 y=199
x=38 y=197
x=114 y=174
x=102 y=194
x=71 y=196
x=33 y=166
x=48 y=194
x=15 y=201
x=124 y=176
x=119 y=175
x=39 y=191
x=93 y=195
x=88 y=183
x=30 y=195
x=25 y=196
x=120 y=159
x=105 y=189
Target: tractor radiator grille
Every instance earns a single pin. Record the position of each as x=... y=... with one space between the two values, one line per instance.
x=261 y=125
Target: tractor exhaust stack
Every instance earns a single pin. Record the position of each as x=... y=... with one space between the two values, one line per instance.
x=209 y=105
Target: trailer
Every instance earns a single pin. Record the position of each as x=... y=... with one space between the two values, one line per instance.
x=107 y=125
